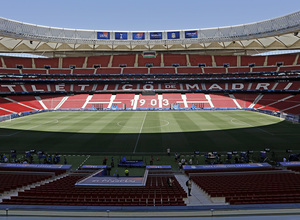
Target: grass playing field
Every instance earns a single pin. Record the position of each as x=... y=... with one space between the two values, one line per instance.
x=148 y=132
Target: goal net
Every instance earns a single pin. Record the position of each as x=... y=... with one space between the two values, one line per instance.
x=5 y=118
x=283 y=116
x=291 y=118
x=98 y=106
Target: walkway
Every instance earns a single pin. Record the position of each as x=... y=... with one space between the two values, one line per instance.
x=199 y=197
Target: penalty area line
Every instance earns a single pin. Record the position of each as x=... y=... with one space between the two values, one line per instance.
x=28 y=129
x=245 y=123
x=137 y=141
x=84 y=162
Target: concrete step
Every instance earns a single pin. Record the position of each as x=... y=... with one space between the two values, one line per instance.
x=199 y=197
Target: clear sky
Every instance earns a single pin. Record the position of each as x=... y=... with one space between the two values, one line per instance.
x=142 y=15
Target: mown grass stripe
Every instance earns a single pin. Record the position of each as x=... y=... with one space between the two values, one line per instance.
x=137 y=141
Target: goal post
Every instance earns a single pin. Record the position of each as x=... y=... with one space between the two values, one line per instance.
x=291 y=118
x=283 y=116
x=198 y=105
x=98 y=106
x=5 y=118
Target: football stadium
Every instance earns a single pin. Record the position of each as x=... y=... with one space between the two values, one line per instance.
x=191 y=123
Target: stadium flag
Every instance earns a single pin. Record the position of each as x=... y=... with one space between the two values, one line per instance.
x=175 y=106
x=103 y=35
x=121 y=35
x=114 y=107
x=138 y=36
x=194 y=107
x=155 y=35
x=173 y=35
x=191 y=34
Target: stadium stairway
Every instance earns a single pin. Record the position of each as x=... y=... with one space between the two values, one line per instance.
x=15 y=192
x=234 y=100
x=274 y=102
x=256 y=100
x=199 y=197
x=61 y=102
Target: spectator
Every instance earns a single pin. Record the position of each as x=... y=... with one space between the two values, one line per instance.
x=170 y=181
x=65 y=160
x=189 y=185
x=4 y=158
x=236 y=160
x=49 y=158
x=168 y=151
x=180 y=165
x=151 y=160
x=56 y=158
x=112 y=164
x=177 y=156
x=104 y=161
x=183 y=161
x=30 y=159
x=126 y=172
x=108 y=169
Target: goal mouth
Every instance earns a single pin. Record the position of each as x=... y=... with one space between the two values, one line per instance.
x=5 y=118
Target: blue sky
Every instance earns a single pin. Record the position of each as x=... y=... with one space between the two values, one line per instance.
x=142 y=15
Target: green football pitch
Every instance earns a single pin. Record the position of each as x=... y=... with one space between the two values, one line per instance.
x=148 y=132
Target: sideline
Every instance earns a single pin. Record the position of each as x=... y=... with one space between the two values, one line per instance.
x=137 y=141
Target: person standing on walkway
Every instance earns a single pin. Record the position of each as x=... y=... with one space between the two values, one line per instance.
x=126 y=172
x=170 y=181
x=189 y=185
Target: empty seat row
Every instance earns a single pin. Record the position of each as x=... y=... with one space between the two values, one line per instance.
x=167 y=59
x=64 y=192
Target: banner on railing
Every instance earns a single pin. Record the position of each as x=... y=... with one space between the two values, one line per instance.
x=155 y=35
x=288 y=164
x=191 y=34
x=35 y=166
x=138 y=36
x=103 y=35
x=121 y=35
x=226 y=166
x=173 y=35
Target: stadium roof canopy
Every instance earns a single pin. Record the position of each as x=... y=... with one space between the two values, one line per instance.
x=282 y=33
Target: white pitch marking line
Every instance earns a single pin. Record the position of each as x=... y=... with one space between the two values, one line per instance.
x=28 y=129
x=137 y=141
x=245 y=123
x=167 y=123
x=83 y=161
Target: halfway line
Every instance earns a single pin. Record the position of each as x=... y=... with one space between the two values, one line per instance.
x=137 y=141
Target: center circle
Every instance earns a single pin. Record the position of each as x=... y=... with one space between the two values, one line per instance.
x=127 y=124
